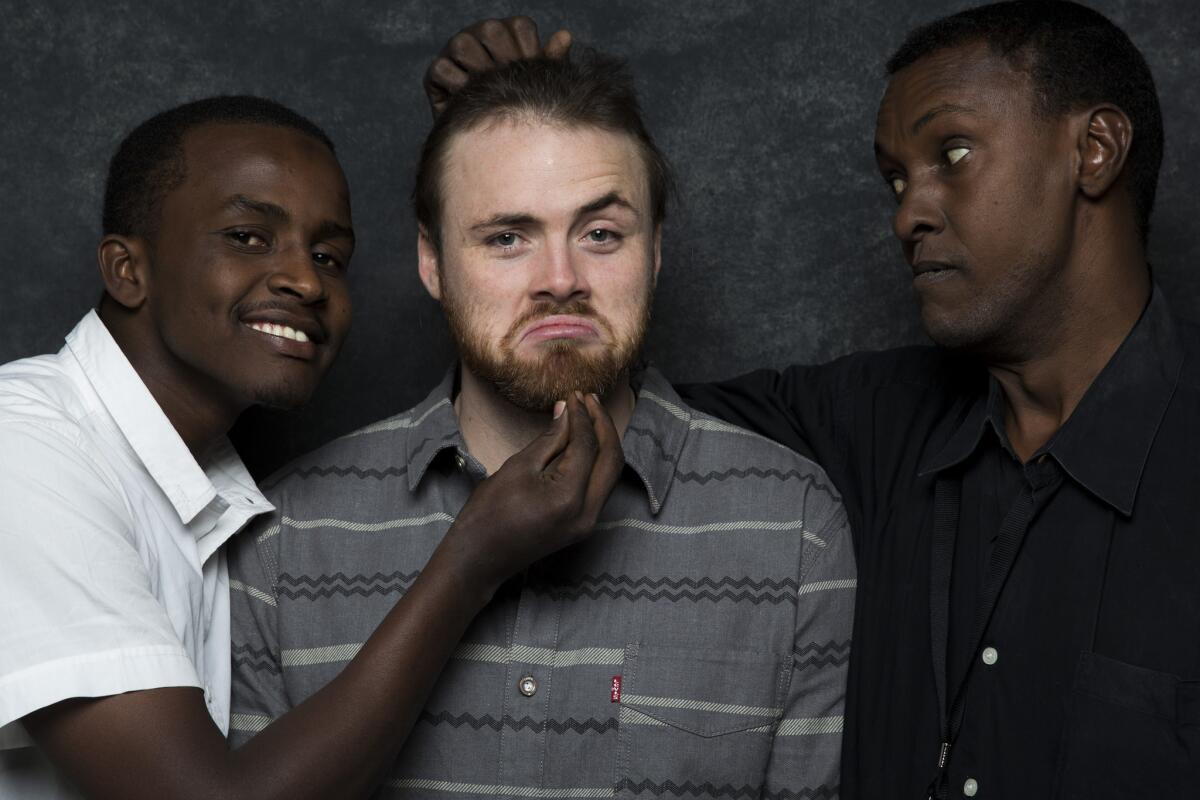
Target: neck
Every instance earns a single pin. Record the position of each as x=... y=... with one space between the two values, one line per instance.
x=494 y=429
x=192 y=406
x=1101 y=301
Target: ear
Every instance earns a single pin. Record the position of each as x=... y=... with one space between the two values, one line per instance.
x=1104 y=147
x=125 y=269
x=657 y=252
x=428 y=261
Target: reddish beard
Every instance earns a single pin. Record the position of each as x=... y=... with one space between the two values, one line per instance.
x=561 y=366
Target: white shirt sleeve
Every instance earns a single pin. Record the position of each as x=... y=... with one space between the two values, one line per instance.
x=79 y=616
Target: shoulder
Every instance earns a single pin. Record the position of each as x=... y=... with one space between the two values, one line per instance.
x=718 y=451
x=367 y=456
x=42 y=390
x=918 y=366
x=46 y=424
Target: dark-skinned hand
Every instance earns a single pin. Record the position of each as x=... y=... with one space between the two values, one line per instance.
x=483 y=46
x=157 y=743
x=543 y=499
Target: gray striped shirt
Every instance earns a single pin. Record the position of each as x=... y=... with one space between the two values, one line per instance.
x=696 y=645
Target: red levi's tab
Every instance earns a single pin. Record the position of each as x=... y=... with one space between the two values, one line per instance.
x=614 y=695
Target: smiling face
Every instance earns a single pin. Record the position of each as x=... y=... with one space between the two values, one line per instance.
x=986 y=192
x=247 y=290
x=548 y=257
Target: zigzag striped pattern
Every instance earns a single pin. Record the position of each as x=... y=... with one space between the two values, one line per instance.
x=254 y=659
x=569 y=725
x=659 y=589
x=689 y=789
x=755 y=472
x=324 y=586
x=447 y=438
x=339 y=472
x=749 y=472
x=814 y=655
x=649 y=434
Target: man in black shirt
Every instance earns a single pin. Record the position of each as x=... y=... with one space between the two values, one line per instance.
x=1028 y=616
x=1028 y=619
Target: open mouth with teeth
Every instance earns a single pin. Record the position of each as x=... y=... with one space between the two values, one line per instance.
x=282 y=331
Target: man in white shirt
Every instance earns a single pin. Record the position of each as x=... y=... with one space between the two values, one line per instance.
x=227 y=236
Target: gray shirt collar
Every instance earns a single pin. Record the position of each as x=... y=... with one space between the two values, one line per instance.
x=652 y=442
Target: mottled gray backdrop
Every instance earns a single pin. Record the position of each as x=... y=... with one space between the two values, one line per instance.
x=780 y=250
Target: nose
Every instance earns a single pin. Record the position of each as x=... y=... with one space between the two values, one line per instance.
x=559 y=275
x=295 y=274
x=919 y=215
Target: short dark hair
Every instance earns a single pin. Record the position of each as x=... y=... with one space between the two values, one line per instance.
x=149 y=162
x=595 y=91
x=1075 y=57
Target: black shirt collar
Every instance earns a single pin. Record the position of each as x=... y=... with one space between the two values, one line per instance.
x=1105 y=443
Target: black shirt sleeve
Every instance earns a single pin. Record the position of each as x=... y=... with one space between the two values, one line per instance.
x=800 y=407
x=863 y=418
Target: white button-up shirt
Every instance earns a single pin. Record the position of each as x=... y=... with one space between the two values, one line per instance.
x=112 y=576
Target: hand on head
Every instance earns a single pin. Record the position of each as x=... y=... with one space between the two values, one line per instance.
x=483 y=46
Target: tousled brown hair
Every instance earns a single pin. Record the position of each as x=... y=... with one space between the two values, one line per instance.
x=596 y=91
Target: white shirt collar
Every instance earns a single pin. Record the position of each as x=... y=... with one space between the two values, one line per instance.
x=154 y=439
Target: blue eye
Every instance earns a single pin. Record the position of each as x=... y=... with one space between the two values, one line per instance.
x=506 y=239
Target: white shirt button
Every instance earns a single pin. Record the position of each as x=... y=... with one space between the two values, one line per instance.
x=527 y=686
x=990 y=655
x=970 y=787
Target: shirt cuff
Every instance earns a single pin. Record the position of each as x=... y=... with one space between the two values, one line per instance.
x=92 y=675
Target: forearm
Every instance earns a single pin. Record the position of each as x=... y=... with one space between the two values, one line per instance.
x=162 y=743
x=339 y=741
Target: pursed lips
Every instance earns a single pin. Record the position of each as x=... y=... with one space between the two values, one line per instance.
x=560 y=326
x=929 y=272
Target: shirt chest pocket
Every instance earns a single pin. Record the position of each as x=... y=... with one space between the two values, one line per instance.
x=691 y=717
x=1130 y=732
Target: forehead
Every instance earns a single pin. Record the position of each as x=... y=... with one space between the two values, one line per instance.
x=264 y=161
x=542 y=168
x=970 y=76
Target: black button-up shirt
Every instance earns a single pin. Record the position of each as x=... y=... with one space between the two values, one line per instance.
x=1085 y=682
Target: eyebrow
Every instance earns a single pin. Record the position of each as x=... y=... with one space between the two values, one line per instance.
x=945 y=108
x=326 y=230
x=610 y=199
x=269 y=210
x=507 y=220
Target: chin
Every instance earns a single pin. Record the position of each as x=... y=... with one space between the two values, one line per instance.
x=282 y=396
x=555 y=376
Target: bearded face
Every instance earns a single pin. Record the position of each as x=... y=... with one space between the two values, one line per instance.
x=547 y=258
x=553 y=367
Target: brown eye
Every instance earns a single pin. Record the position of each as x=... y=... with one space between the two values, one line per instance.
x=326 y=260
x=247 y=238
x=956 y=154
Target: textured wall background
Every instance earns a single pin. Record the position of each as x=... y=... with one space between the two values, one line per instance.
x=779 y=252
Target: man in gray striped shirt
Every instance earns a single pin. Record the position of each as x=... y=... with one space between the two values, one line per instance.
x=696 y=645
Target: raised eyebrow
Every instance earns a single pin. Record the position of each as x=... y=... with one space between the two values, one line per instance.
x=945 y=108
x=334 y=230
x=603 y=202
x=269 y=210
x=507 y=220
